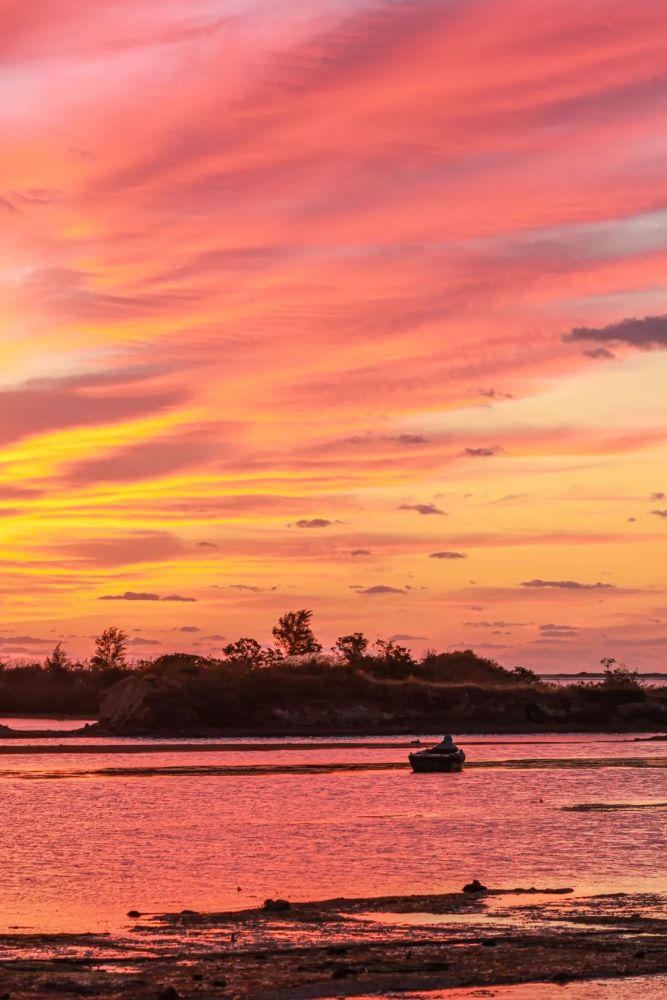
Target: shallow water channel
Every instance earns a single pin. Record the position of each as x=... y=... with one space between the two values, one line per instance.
x=80 y=847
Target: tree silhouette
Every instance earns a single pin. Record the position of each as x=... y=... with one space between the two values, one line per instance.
x=525 y=674
x=248 y=653
x=351 y=648
x=617 y=675
x=110 y=649
x=396 y=660
x=293 y=634
x=58 y=662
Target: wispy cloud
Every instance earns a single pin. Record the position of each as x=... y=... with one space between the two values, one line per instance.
x=132 y=595
x=423 y=508
x=486 y=452
x=566 y=585
x=380 y=589
x=201 y=348
x=314 y=522
x=649 y=333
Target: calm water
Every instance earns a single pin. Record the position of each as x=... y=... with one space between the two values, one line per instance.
x=25 y=722
x=80 y=852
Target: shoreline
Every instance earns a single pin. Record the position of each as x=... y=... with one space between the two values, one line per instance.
x=348 y=947
x=96 y=731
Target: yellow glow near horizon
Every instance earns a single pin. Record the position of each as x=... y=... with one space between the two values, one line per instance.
x=275 y=336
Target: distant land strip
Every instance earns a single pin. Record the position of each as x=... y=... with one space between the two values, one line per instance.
x=195 y=747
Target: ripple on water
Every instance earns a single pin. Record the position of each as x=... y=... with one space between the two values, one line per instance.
x=646 y=987
x=79 y=854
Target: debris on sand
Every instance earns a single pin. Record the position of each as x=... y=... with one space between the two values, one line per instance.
x=474 y=886
x=276 y=905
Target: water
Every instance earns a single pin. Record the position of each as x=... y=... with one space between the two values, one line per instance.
x=649 y=680
x=647 y=987
x=80 y=852
x=29 y=722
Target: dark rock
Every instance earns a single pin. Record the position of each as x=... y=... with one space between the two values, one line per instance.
x=435 y=966
x=341 y=972
x=489 y=942
x=337 y=949
x=561 y=977
x=197 y=977
x=169 y=993
x=276 y=905
x=219 y=982
x=474 y=886
x=133 y=913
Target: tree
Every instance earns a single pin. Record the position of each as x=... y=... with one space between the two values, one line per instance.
x=396 y=659
x=525 y=674
x=351 y=648
x=248 y=652
x=110 y=649
x=293 y=634
x=617 y=675
x=58 y=662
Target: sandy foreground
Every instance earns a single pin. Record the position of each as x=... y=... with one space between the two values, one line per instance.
x=343 y=947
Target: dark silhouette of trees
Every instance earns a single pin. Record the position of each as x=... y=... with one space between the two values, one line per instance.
x=293 y=634
x=618 y=675
x=396 y=661
x=58 y=662
x=525 y=674
x=351 y=648
x=110 y=650
x=249 y=653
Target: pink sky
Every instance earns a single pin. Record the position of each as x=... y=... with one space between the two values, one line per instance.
x=323 y=305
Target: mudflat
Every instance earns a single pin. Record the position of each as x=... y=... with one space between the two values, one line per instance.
x=343 y=947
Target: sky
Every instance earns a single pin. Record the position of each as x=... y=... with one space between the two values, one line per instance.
x=354 y=305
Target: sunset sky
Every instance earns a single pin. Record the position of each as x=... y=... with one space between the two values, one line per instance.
x=356 y=305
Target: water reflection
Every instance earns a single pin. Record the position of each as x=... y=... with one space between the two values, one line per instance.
x=648 y=987
x=78 y=855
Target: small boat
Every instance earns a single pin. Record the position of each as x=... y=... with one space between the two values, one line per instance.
x=434 y=760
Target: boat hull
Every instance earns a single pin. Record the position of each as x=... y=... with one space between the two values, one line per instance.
x=433 y=763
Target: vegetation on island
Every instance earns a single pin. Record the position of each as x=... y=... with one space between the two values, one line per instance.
x=294 y=686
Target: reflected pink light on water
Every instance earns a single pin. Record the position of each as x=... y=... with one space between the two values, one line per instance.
x=79 y=854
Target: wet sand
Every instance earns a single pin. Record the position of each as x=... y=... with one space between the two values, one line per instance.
x=347 y=947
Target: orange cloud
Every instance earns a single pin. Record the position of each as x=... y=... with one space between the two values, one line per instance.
x=264 y=270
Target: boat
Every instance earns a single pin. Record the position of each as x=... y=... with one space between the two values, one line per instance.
x=435 y=761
